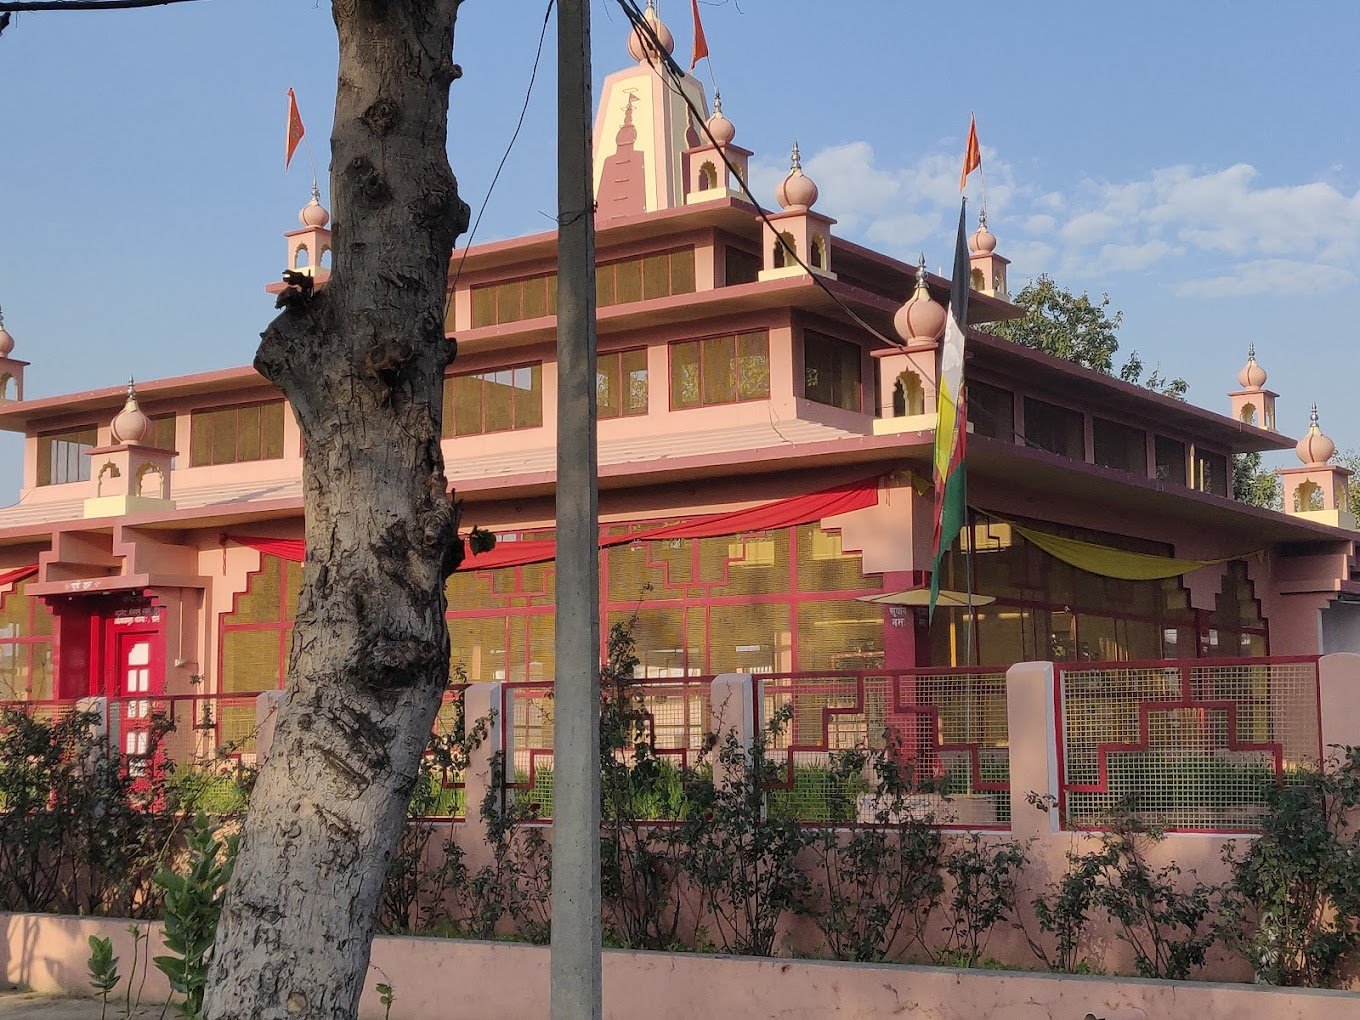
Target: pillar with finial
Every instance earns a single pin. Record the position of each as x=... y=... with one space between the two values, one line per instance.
x=908 y=375
x=708 y=175
x=797 y=240
x=987 y=269
x=1253 y=404
x=1318 y=490
x=130 y=476
x=11 y=368
x=309 y=247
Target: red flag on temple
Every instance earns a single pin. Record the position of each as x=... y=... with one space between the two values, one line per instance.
x=700 y=41
x=972 y=155
x=295 y=129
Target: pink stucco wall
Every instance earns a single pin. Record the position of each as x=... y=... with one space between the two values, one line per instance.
x=438 y=978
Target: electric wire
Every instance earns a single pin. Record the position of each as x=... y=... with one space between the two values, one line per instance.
x=674 y=77
x=505 y=156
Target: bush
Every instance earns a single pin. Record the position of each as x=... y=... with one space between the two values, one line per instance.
x=1298 y=885
x=877 y=884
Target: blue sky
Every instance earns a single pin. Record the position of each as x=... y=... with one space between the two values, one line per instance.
x=1199 y=162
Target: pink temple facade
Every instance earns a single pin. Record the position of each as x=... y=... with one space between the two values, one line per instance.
x=732 y=378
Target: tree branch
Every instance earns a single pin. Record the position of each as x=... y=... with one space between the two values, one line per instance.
x=83 y=5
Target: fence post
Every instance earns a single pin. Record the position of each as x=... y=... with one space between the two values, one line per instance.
x=480 y=701
x=732 y=710
x=1338 y=704
x=1033 y=734
x=268 y=704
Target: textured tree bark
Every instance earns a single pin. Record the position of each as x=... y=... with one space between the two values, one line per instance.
x=362 y=362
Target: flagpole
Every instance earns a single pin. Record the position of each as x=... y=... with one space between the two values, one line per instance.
x=982 y=175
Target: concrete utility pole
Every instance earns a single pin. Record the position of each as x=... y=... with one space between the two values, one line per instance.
x=576 y=730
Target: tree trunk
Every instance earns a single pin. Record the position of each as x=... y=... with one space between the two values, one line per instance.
x=362 y=363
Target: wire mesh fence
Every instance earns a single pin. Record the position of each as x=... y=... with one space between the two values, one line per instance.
x=948 y=727
x=1190 y=745
x=669 y=717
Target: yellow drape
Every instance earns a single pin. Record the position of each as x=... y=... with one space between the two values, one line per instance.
x=1110 y=562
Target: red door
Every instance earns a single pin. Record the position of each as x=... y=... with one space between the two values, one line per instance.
x=138 y=677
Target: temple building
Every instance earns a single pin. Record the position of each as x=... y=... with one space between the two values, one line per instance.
x=766 y=394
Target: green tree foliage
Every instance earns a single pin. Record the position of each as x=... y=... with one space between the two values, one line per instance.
x=1077 y=329
x=1254 y=484
x=1351 y=459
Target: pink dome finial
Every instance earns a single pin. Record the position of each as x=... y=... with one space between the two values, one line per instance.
x=983 y=241
x=1315 y=449
x=1252 y=376
x=640 y=45
x=922 y=318
x=6 y=339
x=130 y=425
x=314 y=214
x=797 y=190
x=722 y=129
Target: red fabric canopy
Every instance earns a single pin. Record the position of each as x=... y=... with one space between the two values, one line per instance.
x=784 y=513
x=18 y=574
x=291 y=549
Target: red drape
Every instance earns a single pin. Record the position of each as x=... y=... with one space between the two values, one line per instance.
x=18 y=574
x=784 y=513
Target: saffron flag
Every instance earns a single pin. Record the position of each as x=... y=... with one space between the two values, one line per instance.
x=972 y=153
x=295 y=129
x=951 y=429
x=700 y=40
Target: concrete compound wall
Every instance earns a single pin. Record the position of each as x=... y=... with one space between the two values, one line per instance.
x=438 y=978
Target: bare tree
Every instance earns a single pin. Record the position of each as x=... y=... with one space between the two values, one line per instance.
x=362 y=362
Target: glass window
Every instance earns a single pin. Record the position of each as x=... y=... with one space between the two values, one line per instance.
x=831 y=371
x=235 y=435
x=720 y=370
x=25 y=647
x=741 y=266
x=621 y=383
x=991 y=410
x=1211 y=473
x=1170 y=460
x=530 y=297
x=64 y=456
x=1055 y=429
x=501 y=400
x=1120 y=446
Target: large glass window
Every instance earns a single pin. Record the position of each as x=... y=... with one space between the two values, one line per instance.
x=991 y=410
x=234 y=435
x=720 y=370
x=64 y=456
x=1170 y=460
x=1120 y=446
x=742 y=266
x=256 y=633
x=642 y=279
x=1211 y=473
x=760 y=603
x=513 y=300
x=634 y=279
x=25 y=648
x=1055 y=429
x=1046 y=609
x=831 y=371
x=496 y=401
x=621 y=383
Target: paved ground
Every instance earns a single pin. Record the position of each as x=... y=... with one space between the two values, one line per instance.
x=25 y=1004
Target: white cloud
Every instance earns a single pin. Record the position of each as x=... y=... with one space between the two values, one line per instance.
x=1267 y=275
x=1175 y=219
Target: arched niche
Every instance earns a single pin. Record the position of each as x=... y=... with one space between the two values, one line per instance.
x=909 y=395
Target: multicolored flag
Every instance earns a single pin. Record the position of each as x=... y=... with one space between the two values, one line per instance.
x=295 y=129
x=700 y=40
x=972 y=153
x=951 y=430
